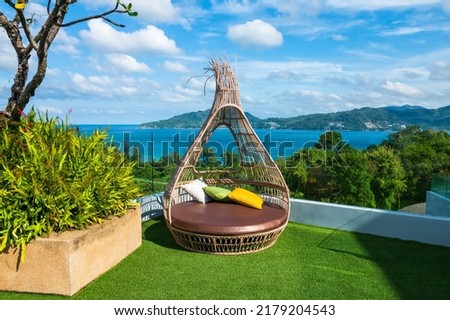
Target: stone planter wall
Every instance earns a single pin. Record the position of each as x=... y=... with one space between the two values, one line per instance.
x=65 y=263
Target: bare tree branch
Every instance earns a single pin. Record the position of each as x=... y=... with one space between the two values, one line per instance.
x=22 y=90
x=10 y=3
x=26 y=29
x=13 y=33
x=98 y=16
x=51 y=27
x=49 y=2
x=114 y=23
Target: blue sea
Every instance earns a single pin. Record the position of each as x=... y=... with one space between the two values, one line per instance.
x=155 y=143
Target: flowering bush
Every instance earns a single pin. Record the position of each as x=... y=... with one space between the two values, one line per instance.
x=52 y=179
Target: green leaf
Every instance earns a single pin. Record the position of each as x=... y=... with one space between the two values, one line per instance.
x=61 y=163
x=54 y=179
x=4 y=242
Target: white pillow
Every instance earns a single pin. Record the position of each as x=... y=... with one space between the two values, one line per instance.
x=195 y=189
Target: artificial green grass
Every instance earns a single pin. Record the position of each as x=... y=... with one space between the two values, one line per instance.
x=306 y=263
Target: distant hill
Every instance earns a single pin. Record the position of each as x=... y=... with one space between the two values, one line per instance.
x=386 y=118
x=185 y=120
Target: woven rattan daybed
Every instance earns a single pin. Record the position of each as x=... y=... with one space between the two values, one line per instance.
x=227 y=227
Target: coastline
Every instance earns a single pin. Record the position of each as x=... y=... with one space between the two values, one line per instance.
x=156 y=143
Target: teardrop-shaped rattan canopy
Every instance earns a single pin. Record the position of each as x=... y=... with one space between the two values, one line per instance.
x=205 y=227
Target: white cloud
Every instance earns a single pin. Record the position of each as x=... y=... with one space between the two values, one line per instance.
x=66 y=43
x=187 y=91
x=37 y=11
x=358 y=5
x=312 y=101
x=200 y=85
x=285 y=75
x=191 y=92
x=440 y=70
x=403 y=31
x=350 y=80
x=126 y=63
x=72 y=50
x=263 y=69
x=362 y=55
x=233 y=7
x=157 y=11
x=446 y=5
x=402 y=88
x=103 y=86
x=52 y=72
x=285 y=7
x=113 y=63
x=340 y=80
x=97 y=3
x=338 y=37
x=363 y=80
x=176 y=98
x=179 y=95
x=8 y=60
x=311 y=93
x=334 y=96
x=50 y=110
x=252 y=100
x=413 y=72
x=150 y=39
x=256 y=33
x=127 y=90
x=154 y=11
x=175 y=67
x=295 y=7
x=93 y=84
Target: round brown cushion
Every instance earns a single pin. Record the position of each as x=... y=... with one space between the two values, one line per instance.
x=218 y=218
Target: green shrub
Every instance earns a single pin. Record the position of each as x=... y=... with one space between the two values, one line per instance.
x=54 y=179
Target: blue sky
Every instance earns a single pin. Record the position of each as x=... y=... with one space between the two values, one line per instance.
x=292 y=57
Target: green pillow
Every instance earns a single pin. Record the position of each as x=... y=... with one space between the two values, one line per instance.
x=217 y=193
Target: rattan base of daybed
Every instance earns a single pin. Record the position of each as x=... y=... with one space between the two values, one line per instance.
x=226 y=244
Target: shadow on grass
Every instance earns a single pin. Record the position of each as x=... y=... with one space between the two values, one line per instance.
x=416 y=271
x=159 y=234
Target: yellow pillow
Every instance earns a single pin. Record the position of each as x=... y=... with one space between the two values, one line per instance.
x=246 y=198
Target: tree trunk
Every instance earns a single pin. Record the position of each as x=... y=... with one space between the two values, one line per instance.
x=13 y=107
x=22 y=90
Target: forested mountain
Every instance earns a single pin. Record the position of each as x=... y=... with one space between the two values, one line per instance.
x=195 y=120
x=386 y=118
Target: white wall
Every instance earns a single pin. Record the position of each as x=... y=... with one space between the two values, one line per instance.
x=392 y=224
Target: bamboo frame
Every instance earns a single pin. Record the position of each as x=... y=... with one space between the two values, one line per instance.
x=257 y=171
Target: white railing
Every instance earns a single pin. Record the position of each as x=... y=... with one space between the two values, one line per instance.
x=151 y=206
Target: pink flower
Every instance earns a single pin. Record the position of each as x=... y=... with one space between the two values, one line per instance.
x=20 y=112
